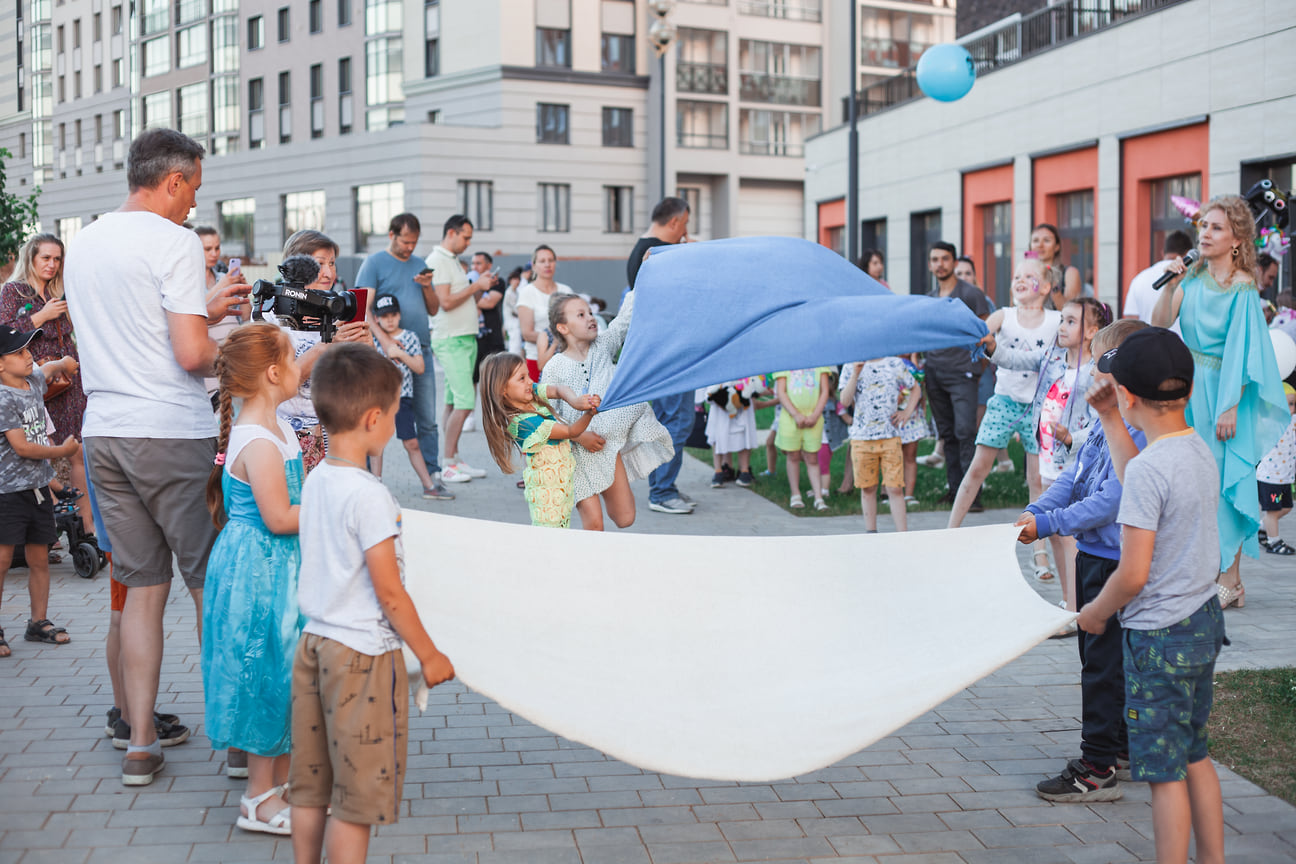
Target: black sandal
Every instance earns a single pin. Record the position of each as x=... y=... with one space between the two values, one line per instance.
x=45 y=631
x=4 y=644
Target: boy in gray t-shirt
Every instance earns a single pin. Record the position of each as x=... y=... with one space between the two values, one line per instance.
x=1164 y=587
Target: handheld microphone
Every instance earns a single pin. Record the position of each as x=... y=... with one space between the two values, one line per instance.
x=1188 y=260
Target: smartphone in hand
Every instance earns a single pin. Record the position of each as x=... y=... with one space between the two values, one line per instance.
x=235 y=266
x=362 y=304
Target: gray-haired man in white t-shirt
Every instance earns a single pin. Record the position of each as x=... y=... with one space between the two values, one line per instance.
x=136 y=293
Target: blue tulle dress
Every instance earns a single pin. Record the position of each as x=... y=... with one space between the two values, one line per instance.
x=251 y=623
x=1233 y=364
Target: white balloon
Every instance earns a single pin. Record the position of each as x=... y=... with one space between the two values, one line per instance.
x=1285 y=351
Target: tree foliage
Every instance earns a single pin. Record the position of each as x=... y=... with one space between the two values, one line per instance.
x=17 y=215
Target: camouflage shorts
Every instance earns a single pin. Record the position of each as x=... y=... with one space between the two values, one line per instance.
x=1168 y=693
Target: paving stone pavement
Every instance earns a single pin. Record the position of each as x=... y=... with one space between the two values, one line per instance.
x=955 y=786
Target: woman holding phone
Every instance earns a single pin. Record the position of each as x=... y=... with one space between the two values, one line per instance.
x=298 y=411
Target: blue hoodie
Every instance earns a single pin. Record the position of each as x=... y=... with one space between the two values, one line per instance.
x=1084 y=500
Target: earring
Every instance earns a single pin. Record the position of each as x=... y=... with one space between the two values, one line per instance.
x=1235 y=251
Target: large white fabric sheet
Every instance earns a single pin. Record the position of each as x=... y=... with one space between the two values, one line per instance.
x=734 y=658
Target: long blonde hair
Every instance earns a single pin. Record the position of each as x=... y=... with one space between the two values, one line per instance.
x=1242 y=223
x=25 y=266
x=496 y=410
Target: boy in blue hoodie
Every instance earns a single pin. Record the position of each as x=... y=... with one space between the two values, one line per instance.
x=1083 y=503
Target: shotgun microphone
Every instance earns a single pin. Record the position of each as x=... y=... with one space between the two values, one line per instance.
x=1188 y=260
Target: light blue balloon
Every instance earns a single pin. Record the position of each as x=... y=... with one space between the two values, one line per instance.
x=946 y=72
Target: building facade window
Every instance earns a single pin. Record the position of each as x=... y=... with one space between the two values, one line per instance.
x=779 y=73
x=1165 y=216
x=191 y=46
x=191 y=108
x=431 y=38
x=302 y=210
x=118 y=74
x=157 y=110
x=873 y=235
x=346 y=104
x=551 y=123
x=553 y=47
x=553 y=207
x=156 y=18
x=896 y=40
x=189 y=11
x=1075 y=222
x=617 y=127
x=344 y=13
x=316 y=15
x=225 y=45
x=225 y=114
x=702 y=125
x=703 y=61
x=995 y=260
x=375 y=205
x=924 y=230
x=317 y=100
x=157 y=56
x=284 y=29
x=618 y=53
x=477 y=202
x=383 y=85
x=792 y=10
x=67 y=228
x=256 y=33
x=382 y=16
x=618 y=209
x=256 y=113
x=235 y=220
x=285 y=107
x=692 y=196
x=775 y=133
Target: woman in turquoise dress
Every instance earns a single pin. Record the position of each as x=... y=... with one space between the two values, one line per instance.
x=1237 y=403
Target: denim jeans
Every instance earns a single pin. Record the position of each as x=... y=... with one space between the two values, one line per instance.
x=676 y=414
x=425 y=414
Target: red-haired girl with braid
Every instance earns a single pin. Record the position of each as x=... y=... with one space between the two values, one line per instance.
x=250 y=618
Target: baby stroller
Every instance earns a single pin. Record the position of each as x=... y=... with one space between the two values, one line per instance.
x=86 y=557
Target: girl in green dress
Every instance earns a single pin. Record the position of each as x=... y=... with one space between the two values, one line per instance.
x=515 y=412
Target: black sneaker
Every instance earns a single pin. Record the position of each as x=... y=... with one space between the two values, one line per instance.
x=745 y=479
x=114 y=714
x=947 y=498
x=728 y=472
x=1081 y=782
x=170 y=734
x=977 y=506
x=717 y=480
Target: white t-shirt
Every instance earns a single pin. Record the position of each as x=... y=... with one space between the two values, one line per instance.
x=531 y=297
x=124 y=272
x=346 y=511
x=1141 y=298
x=461 y=320
x=1019 y=385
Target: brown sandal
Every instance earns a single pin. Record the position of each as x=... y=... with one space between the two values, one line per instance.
x=45 y=631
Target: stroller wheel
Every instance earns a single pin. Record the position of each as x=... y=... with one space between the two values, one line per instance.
x=85 y=557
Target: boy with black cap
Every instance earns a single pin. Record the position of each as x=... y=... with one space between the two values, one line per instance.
x=1164 y=587
x=408 y=357
x=26 y=502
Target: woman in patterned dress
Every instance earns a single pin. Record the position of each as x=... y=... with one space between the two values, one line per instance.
x=33 y=299
x=516 y=412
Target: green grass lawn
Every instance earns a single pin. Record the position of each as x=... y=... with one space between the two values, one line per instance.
x=1253 y=727
x=1001 y=490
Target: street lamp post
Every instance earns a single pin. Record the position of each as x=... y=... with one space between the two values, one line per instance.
x=852 y=143
x=661 y=33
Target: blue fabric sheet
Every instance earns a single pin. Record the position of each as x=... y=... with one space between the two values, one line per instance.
x=727 y=309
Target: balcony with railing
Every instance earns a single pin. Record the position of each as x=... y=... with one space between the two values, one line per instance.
x=891 y=53
x=702 y=140
x=1016 y=39
x=710 y=78
x=792 y=10
x=778 y=89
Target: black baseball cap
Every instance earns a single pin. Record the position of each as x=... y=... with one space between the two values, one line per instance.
x=1145 y=359
x=12 y=341
x=386 y=304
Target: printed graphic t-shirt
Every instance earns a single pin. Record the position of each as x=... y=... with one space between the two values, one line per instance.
x=1051 y=412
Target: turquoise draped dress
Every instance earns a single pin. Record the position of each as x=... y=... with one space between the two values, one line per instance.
x=251 y=624
x=1234 y=364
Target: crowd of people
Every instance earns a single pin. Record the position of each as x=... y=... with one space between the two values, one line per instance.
x=247 y=456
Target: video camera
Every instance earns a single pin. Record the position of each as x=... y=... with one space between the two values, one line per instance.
x=302 y=308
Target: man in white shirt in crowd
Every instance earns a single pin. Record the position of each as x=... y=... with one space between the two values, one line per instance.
x=1141 y=297
x=149 y=431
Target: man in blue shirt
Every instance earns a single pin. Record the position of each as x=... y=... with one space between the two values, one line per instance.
x=397 y=270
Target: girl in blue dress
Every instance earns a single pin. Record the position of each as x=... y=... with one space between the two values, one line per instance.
x=250 y=618
x=1237 y=404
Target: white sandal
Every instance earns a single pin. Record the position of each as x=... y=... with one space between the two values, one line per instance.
x=280 y=823
x=1043 y=572
x=797 y=503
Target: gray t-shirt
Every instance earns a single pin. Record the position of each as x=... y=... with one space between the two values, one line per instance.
x=25 y=410
x=959 y=359
x=1172 y=488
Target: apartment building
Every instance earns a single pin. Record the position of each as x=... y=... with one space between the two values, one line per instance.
x=541 y=119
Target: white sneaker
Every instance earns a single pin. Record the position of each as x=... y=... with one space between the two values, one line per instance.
x=931 y=460
x=470 y=425
x=452 y=474
x=1004 y=466
x=464 y=468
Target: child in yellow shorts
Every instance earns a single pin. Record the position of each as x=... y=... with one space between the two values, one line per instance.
x=803 y=394
x=874 y=388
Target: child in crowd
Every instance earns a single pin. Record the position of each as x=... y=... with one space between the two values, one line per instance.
x=516 y=412
x=250 y=619
x=1274 y=477
x=884 y=396
x=26 y=502
x=619 y=446
x=913 y=431
x=1025 y=327
x=350 y=693
x=1164 y=588
x=1083 y=503
x=802 y=393
x=409 y=360
x=731 y=430
x=1060 y=418
x=1286 y=303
